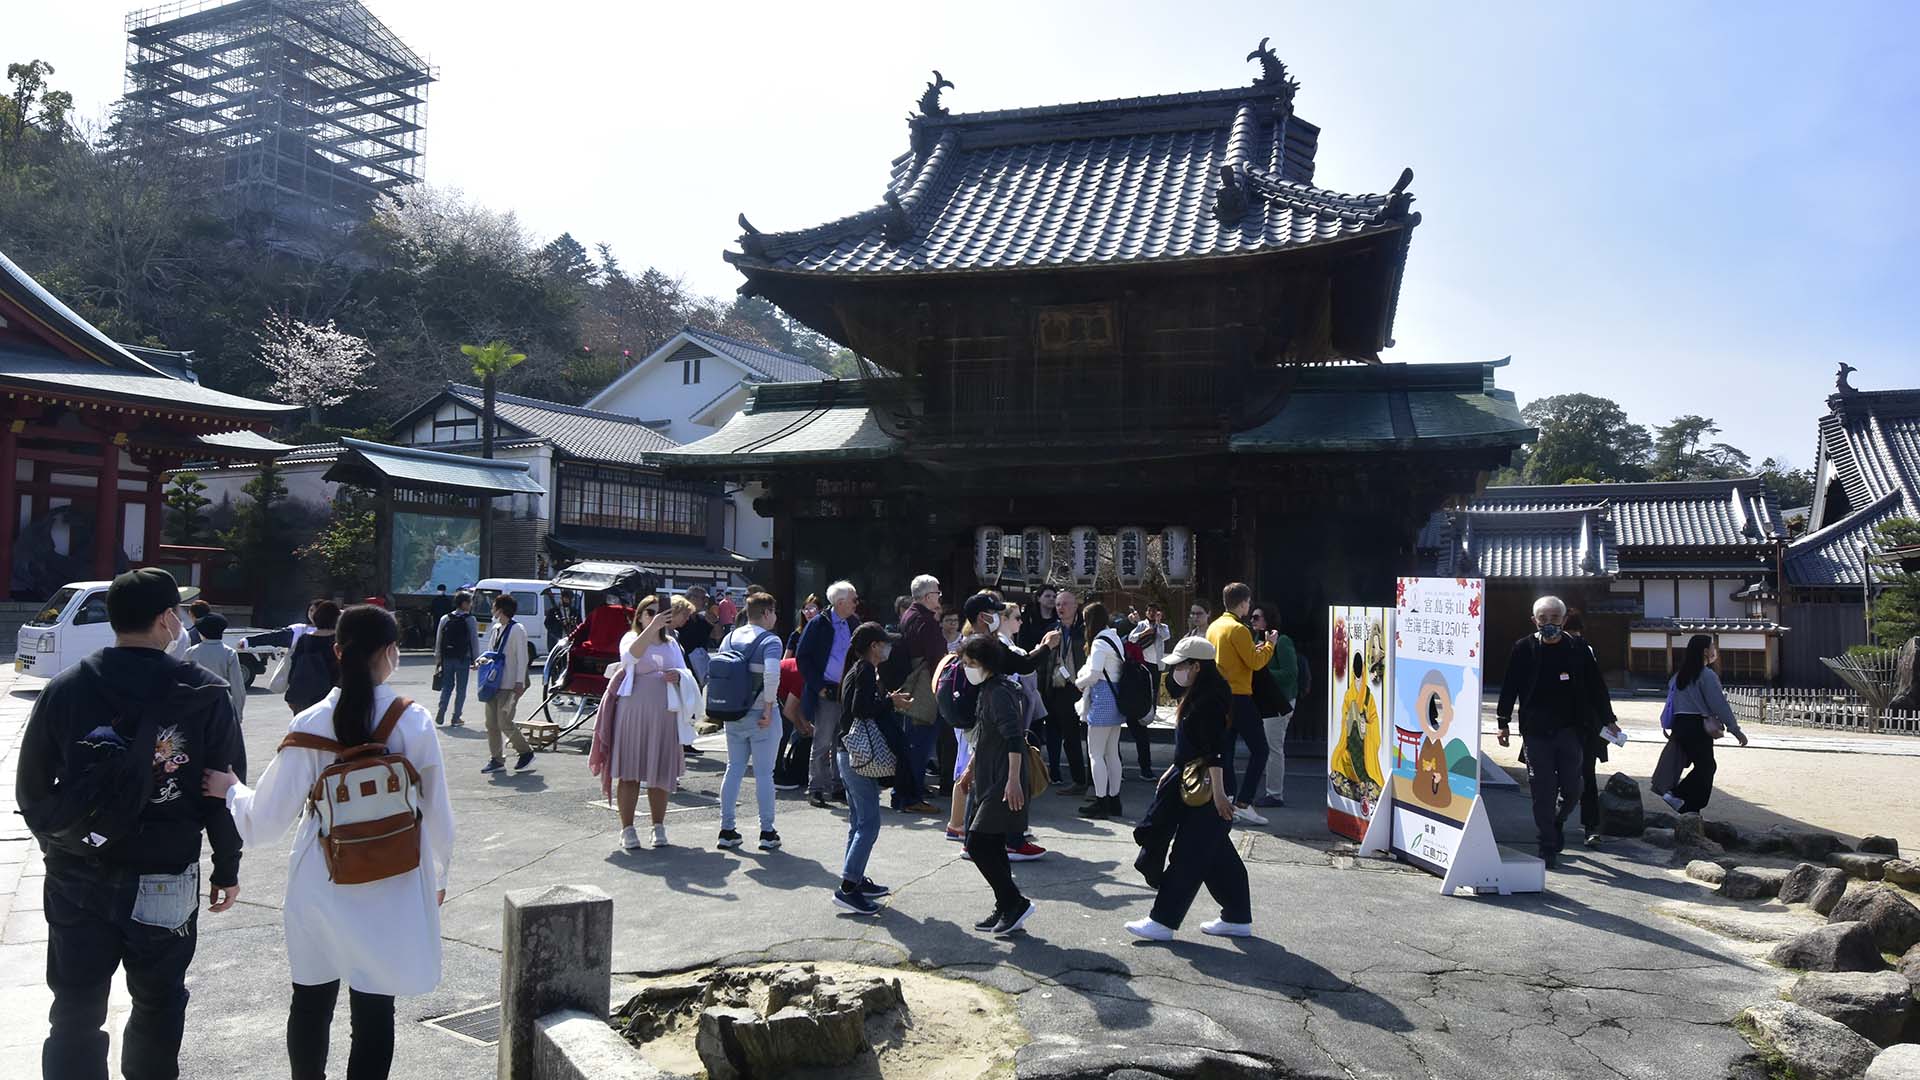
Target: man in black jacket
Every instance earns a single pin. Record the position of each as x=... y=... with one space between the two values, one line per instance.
x=1556 y=681
x=132 y=902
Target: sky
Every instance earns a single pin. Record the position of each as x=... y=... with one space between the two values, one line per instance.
x=1688 y=208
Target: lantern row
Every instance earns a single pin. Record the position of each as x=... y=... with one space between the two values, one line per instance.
x=1005 y=557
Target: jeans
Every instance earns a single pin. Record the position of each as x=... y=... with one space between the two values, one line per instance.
x=500 y=723
x=101 y=919
x=1203 y=854
x=1276 y=729
x=989 y=851
x=1248 y=728
x=1693 y=790
x=1553 y=766
x=747 y=739
x=822 y=777
x=311 y=1014
x=1103 y=747
x=453 y=684
x=863 y=819
x=910 y=781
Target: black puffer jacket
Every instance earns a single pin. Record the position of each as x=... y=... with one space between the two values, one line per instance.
x=196 y=732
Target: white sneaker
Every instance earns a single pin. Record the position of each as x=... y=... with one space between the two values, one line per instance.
x=1673 y=800
x=659 y=836
x=1247 y=815
x=1223 y=928
x=629 y=839
x=1152 y=931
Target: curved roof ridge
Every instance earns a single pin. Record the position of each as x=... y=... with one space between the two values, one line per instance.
x=465 y=389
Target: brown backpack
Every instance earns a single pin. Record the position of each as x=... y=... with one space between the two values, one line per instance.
x=368 y=803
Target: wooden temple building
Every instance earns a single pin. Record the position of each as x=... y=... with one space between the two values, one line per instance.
x=88 y=430
x=1135 y=315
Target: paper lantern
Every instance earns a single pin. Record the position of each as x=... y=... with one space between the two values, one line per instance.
x=1037 y=547
x=1083 y=546
x=986 y=553
x=1176 y=547
x=1013 y=565
x=1130 y=556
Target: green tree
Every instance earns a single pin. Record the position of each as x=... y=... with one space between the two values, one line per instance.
x=260 y=543
x=345 y=551
x=185 y=500
x=1794 y=487
x=490 y=361
x=1896 y=611
x=31 y=107
x=1583 y=436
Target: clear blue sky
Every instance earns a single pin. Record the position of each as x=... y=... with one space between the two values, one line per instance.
x=1687 y=208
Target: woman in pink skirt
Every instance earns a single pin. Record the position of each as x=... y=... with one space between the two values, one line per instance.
x=636 y=740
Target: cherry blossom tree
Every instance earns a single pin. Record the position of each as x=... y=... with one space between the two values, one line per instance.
x=314 y=366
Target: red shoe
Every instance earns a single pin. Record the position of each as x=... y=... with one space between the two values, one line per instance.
x=1026 y=851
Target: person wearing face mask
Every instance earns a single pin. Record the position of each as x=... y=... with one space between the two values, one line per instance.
x=863 y=698
x=1065 y=729
x=922 y=644
x=997 y=797
x=1554 y=679
x=382 y=938
x=1696 y=714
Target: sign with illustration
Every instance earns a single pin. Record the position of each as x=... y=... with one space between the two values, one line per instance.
x=1436 y=715
x=1358 y=696
x=430 y=550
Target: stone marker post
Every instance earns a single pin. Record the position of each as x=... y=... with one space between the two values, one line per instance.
x=556 y=953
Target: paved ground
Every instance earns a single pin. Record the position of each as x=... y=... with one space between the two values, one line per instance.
x=1361 y=969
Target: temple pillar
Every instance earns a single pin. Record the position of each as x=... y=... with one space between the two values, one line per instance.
x=106 y=519
x=156 y=508
x=9 y=505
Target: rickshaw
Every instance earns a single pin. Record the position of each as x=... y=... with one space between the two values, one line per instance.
x=575 y=676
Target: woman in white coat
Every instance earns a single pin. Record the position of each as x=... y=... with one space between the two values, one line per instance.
x=383 y=937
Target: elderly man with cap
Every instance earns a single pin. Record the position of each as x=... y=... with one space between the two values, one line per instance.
x=220 y=658
x=109 y=782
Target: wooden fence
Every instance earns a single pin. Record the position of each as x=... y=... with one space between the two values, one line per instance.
x=1840 y=710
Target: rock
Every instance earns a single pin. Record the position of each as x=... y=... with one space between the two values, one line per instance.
x=1894 y=920
x=1710 y=872
x=1909 y=966
x=1896 y=1063
x=1880 y=845
x=1688 y=831
x=1875 y=1004
x=788 y=986
x=1766 y=843
x=1846 y=946
x=1798 y=884
x=1902 y=873
x=1662 y=838
x=1621 y=812
x=1809 y=844
x=796 y=1037
x=1828 y=889
x=1724 y=833
x=1814 y=1047
x=1660 y=819
x=1752 y=882
x=1860 y=864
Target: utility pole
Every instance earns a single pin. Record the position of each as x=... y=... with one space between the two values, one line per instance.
x=1866 y=587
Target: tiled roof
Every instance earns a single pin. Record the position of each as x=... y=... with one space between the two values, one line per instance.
x=1545 y=545
x=1833 y=557
x=786 y=423
x=363 y=462
x=1741 y=513
x=657 y=557
x=1870 y=445
x=1683 y=625
x=45 y=372
x=579 y=432
x=764 y=364
x=1389 y=406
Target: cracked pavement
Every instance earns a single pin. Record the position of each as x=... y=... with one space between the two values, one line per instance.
x=1361 y=968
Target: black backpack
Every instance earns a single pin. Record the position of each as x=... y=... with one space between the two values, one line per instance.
x=1133 y=691
x=103 y=785
x=956 y=696
x=455 y=645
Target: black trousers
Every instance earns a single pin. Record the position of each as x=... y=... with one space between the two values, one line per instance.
x=91 y=931
x=1064 y=734
x=946 y=754
x=1554 y=764
x=791 y=763
x=1142 y=745
x=989 y=851
x=310 y=1017
x=1694 y=789
x=1589 y=795
x=1203 y=854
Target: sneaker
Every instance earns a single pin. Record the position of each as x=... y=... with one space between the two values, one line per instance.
x=692 y=751
x=629 y=839
x=1269 y=802
x=1592 y=840
x=729 y=839
x=1097 y=810
x=493 y=765
x=921 y=807
x=1223 y=928
x=1551 y=858
x=439 y=721
x=1146 y=772
x=788 y=787
x=659 y=836
x=1152 y=931
x=819 y=800
x=1025 y=851
x=457 y=722
x=992 y=920
x=958 y=836
x=525 y=760
x=1246 y=815
x=1012 y=923
x=872 y=888
x=769 y=840
x=1673 y=800
x=854 y=902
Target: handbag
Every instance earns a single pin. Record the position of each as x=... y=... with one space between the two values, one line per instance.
x=491 y=667
x=1196 y=783
x=1715 y=729
x=868 y=751
x=282 y=671
x=437 y=677
x=1038 y=783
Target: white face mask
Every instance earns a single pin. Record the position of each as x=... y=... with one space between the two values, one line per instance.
x=885 y=652
x=976 y=675
x=1183 y=676
x=993 y=622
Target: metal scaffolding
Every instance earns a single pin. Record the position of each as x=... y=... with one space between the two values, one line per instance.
x=309 y=108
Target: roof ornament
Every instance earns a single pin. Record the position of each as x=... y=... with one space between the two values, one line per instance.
x=1399 y=200
x=930 y=100
x=1273 y=73
x=750 y=238
x=1840 y=383
x=1230 y=198
x=899 y=227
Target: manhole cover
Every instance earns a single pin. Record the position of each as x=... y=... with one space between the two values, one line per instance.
x=480 y=1026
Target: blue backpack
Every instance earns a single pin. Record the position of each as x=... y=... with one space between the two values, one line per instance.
x=732 y=685
x=492 y=666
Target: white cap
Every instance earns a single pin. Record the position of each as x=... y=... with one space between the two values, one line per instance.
x=1191 y=647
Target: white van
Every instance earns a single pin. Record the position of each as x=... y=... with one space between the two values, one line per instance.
x=533 y=600
x=72 y=625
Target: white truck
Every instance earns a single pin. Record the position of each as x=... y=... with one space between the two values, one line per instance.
x=73 y=624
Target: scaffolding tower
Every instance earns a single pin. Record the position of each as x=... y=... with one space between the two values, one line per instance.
x=309 y=110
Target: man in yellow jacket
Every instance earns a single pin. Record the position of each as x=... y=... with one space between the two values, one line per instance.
x=1240 y=659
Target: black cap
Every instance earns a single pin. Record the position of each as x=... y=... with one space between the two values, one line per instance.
x=979 y=604
x=211 y=626
x=138 y=597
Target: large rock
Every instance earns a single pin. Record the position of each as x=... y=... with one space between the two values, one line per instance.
x=1829 y=888
x=1894 y=920
x=1860 y=864
x=1661 y=819
x=1814 y=1047
x=1621 y=811
x=1688 y=831
x=1660 y=838
x=1752 y=882
x=1833 y=947
x=717 y=1042
x=1880 y=845
x=1910 y=967
x=1710 y=872
x=1901 y=872
x=1798 y=884
x=1896 y=1063
x=1809 y=844
x=1725 y=833
x=1875 y=1004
